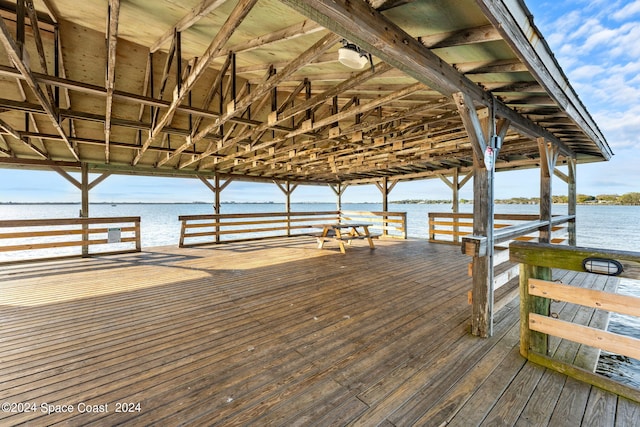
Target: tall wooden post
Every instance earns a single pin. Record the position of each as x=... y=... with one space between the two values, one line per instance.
x=338 y=189
x=573 y=200
x=548 y=159
x=216 y=188
x=216 y=202
x=385 y=189
x=486 y=135
x=482 y=269
x=287 y=189
x=455 y=203
x=84 y=206
x=455 y=185
x=85 y=187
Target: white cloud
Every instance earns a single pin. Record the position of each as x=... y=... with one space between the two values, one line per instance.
x=627 y=11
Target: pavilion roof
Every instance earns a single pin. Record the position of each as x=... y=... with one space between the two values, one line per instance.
x=253 y=88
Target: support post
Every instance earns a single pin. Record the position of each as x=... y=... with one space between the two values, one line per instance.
x=532 y=340
x=385 y=189
x=573 y=200
x=455 y=185
x=217 y=189
x=84 y=207
x=481 y=128
x=548 y=159
x=482 y=269
x=287 y=189
x=338 y=189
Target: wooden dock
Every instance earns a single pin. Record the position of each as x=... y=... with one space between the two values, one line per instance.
x=276 y=332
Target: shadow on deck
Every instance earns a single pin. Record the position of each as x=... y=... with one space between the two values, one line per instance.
x=273 y=332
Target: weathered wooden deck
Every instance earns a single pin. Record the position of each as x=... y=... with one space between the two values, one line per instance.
x=275 y=333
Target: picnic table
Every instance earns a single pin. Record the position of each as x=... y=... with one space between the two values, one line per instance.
x=344 y=232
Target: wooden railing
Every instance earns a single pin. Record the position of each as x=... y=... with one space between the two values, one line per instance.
x=197 y=230
x=29 y=239
x=508 y=227
x=537 y=291
x=451 y=227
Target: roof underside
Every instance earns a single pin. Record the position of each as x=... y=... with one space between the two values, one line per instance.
x=253 y=88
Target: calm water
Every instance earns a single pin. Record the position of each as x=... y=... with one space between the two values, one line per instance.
x=609 y=227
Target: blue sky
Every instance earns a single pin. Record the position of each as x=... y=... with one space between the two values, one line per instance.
x=596 y=43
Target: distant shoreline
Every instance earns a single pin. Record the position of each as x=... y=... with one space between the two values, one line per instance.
x=398 y=202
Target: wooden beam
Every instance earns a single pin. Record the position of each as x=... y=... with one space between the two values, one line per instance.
x=68 y=177
x=471 y=122
x=370 y=30
x=350 y=83
x=13 y=52
x=234 y=19
x=99 y=179
x=112 y=41
x=34 y=123
x=317 y=49
x=33 y=17
x=483 y=34
x=294 y=31
x=187 y=21
x=280 y=116
x=14 y=133
x=257 y=93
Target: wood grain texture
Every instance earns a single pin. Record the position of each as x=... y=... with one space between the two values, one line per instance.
x=271 y=332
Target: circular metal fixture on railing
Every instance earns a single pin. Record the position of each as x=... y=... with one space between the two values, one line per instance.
x=610 y=267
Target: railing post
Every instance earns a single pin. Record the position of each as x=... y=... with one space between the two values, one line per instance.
x=183 y=229
x=532 y=340
x=84 y=209
x=404 y=225
x=138 y=235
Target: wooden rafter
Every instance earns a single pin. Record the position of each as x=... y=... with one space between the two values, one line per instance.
x=33 y=17
x=317 y=49
x=112 y=41
x=279 y=116
x=303 y=28
x=187 y=21
x=31 y=119
x=14 y=133
x=241 y=10
x=372 y=31
x=303 y=59
x=333 y=118
x=215 y=86
x=13 y=52
x=7 y=152
x=483 y=34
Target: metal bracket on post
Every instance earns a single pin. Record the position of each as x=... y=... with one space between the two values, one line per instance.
x=474 y=246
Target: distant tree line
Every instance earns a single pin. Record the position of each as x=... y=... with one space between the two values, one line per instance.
x=603 y=199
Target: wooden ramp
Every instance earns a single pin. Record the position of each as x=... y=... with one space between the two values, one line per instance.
x=274 y=332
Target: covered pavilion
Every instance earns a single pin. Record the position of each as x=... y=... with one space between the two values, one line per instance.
x=223 y=90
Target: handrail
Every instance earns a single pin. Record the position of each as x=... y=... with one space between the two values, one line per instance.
x=198 y=230
x=537 y=291
x=453 y=226
x=519 y=230
x=24 y=236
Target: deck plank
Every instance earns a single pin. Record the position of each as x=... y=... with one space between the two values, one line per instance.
x=275 y=333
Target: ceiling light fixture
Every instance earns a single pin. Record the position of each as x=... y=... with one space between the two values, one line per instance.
x=352 y=56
